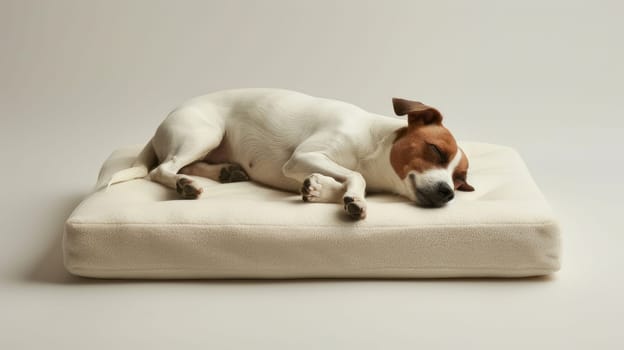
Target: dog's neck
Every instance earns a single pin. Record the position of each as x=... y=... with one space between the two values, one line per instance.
x=375 y=165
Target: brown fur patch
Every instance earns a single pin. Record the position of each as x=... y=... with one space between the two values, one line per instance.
x=418 y=113
x=425 y=143
x=460 y=175
x=413 y=149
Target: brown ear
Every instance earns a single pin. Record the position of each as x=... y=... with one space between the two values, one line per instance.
x=462 y=185
x=417 y=112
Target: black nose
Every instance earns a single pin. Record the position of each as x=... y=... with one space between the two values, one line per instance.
x=445 y=193
x=436 y=196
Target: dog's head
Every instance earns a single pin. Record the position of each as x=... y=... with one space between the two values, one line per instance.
x=426 y=157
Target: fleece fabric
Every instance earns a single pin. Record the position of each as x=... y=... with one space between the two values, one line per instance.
x=140 y=229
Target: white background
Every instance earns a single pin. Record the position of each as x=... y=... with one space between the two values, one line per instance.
x=80 y=78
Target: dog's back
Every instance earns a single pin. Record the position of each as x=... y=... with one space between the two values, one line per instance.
x=263 y=127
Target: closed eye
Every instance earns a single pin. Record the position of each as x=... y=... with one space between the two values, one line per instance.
x=441 y=156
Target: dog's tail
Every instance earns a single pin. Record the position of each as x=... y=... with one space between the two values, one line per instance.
x=140 y=168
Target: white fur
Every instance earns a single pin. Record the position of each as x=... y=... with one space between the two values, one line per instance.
x=281 y=137
x=323 y=189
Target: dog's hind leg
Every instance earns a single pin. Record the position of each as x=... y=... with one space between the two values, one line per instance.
x=224 y=173
x=186 y=136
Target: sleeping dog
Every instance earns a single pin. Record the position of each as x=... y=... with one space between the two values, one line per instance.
x=329 y=151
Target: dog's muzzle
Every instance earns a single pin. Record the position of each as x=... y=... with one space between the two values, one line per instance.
x=435 y=196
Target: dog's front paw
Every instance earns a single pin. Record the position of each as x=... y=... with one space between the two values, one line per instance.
x=187 y=188
x=233 y=173
x=311 y=189
x=322 y=189
x=355 y=207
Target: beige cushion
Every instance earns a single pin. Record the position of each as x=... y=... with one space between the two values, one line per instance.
x=140 y=229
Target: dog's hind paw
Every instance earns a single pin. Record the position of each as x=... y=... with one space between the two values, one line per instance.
x=233 y=173
x=354 y=207
x=188 y=189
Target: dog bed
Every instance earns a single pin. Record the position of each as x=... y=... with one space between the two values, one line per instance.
x=140 y=229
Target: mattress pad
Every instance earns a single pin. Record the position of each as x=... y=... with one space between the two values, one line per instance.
x=140 y=229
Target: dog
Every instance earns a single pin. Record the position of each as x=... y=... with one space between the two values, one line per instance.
x=329 y=151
